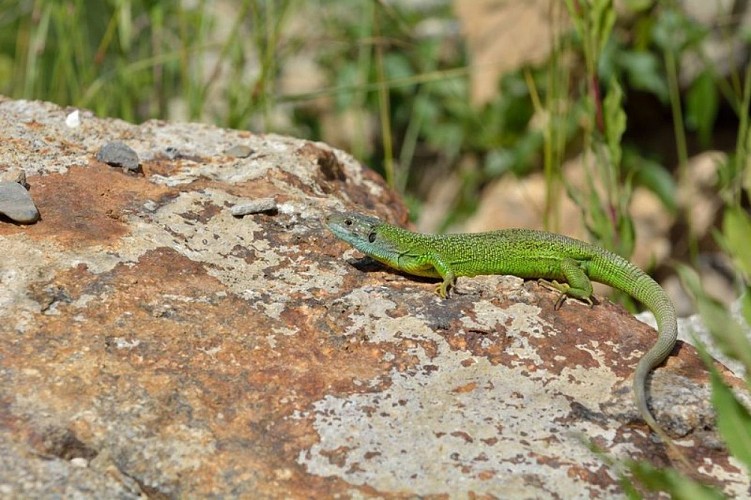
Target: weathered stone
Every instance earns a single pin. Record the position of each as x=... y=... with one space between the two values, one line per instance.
x=73 y=119
x=16 y=203
x=254 y=207
x=240 y=151
x=119 y=154
x=151 y=343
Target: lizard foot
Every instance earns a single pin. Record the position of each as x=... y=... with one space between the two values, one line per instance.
x=565 y=292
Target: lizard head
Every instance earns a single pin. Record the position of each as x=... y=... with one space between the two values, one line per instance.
x=370 y=235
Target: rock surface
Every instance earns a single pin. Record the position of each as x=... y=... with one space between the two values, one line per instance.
x=152 y=343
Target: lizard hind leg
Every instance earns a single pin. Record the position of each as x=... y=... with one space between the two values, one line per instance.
x=577 y=285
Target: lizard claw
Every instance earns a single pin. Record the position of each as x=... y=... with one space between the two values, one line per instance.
x=445 y=287
x=561 y=299
x=565 y=292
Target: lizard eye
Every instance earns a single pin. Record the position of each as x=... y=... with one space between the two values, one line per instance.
x=372 y=236
x=347 y=222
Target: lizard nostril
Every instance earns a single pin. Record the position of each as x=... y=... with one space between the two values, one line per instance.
x=347 y=222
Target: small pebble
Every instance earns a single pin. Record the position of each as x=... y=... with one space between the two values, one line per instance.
x=172 y=152
x=239 y=151
x=79 y=462
x=260 y=205
x=119 y=154
x=150 y=206
x=73 y=119
x=16 y=203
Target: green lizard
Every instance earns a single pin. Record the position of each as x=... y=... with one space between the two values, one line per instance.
x=525 y=253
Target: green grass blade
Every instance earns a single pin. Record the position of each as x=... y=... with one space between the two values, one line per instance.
x=733 y=419
x=670 y=480
x=728 y=335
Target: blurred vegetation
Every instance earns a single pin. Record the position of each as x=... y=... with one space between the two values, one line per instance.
x=394 y=78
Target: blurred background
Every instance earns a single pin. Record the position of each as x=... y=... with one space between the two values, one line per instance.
x=619 y=122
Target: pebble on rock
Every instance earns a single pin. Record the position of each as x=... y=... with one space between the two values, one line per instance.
x=119 y=154
x=73 y=119
x=16 y=203
x=172 y=152
x=239 y=151
x=261 y=205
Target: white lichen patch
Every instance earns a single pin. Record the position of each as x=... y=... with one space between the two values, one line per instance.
x=234 y=250
x=517 y=317
x=451 y=427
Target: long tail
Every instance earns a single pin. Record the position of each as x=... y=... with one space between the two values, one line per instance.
x=667 y=328
x=620 y=273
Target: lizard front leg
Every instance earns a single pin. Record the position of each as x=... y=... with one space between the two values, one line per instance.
x=445 y=271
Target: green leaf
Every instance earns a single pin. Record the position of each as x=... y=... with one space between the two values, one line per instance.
x=626 y=236
x=727 y=334
x=347 y=76
x=674 y=31
x=736 y=229
x=733 y=419
x=397 y=67
x=603 y=20
x=574 y=13
x=615 y=120
x=638 y=5
x=644 y=72
x=671 y=481
x=654 y=176
x=498 y=162
x=746 y=305
x=702 y=103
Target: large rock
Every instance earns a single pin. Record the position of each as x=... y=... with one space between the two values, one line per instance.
x=153 y=343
